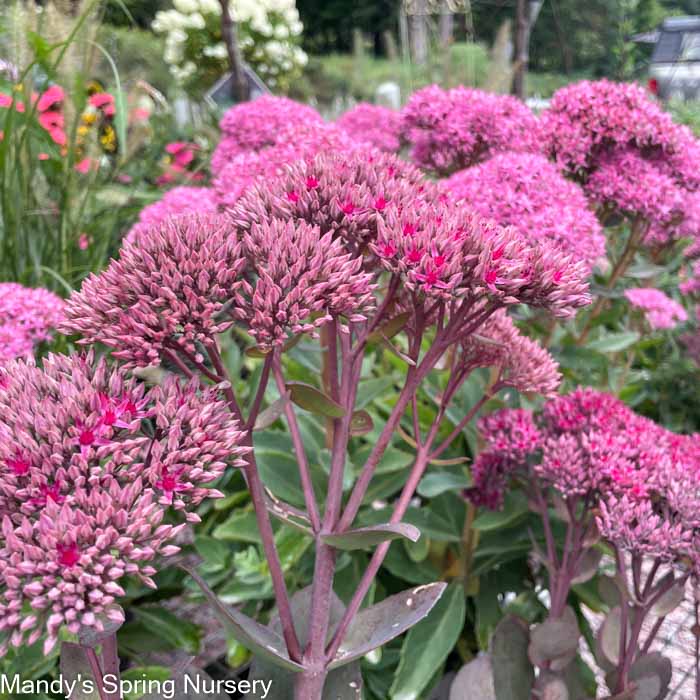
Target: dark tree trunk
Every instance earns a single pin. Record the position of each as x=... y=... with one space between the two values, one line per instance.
x=239 y=84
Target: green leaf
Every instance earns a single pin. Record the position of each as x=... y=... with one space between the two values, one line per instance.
x=375 y=626
x=242 y=526
x=261 y=640
x=144 y=674
x=365 y=537
x=437 y=482
x=75 y=668
x=514 y=507
x=614 y=342
x=509 y=655
x=361 y=423
x=181 y=633
x=369 y=389
x=428 y=644
x=314 y=400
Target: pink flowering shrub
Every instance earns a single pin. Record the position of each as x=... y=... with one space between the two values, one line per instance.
x=629 y=154
x=450 y=130
x=85 y=489
x=608 y=473
x=374 y=125
x=234 y=174
x=526 y=191
x=178 y=201
x=660 y=311
x=255 y=125
x=358 y=248
x=27 y=317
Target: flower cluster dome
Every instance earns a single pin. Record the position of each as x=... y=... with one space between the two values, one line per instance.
x=85 y=487
x=450 y=130
x=527 y=191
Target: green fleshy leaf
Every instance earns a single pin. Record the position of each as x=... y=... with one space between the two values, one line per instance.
x=365 y=537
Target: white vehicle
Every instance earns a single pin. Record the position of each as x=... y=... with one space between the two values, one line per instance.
x=674 y=71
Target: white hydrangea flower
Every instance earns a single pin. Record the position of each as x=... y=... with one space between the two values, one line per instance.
x=186 y=6
x=216 y=51
x=196 y=21
x=210 y=7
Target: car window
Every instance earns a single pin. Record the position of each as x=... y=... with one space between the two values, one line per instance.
x=691 y=47
x=668 y=47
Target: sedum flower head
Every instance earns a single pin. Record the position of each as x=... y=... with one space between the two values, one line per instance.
x=90 y=461
x=175 y=202
x=525 y=190
x=524 y=364
x=167 y=290
x=234 y=173
x=373 y=125
x=444 y=249
x=252 y=126
x=640 y=479
x=27 y=317
x=345 y=194
x=660 y=310
x=302 y=280
x=450 y=130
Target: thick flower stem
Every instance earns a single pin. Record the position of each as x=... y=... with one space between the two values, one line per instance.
x=308 y=685
x=94 y=662
x=257 y=495
x=110 y=662
x=324 y=571
x=297 y=441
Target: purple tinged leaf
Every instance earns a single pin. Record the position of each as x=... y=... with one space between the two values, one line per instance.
x=474 y=680
x=259 y=639
x=361 y=423
x=670 y=600
x=509 y=645
x=380 y=623
x=390 y=328
x=588 y=566
x=365 y=537
x=555 y=641
x=75 y=667
x=267 y=417
x=312 y=399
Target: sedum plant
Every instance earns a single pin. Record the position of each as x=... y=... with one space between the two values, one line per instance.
x=622 y=486
x=357 y=251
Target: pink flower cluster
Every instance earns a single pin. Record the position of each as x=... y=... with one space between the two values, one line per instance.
x=591 y=448
x=308 y=245
x=629 y=154
x=446 y=251
x=343 y=193
x=661 y=311
x=178 y=201
x=523 y=363
x=252 y=126
x=84 y=487
x=27 y=317
x=168 y=291
x=450 y=130
x=525 y=190
x=373 y=125
x=301 y=142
